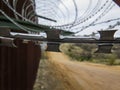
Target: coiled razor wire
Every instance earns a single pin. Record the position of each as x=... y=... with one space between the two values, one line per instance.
x=66 y=21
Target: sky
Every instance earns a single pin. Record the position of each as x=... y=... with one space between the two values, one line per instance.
x=65 y=13
x=112 y=14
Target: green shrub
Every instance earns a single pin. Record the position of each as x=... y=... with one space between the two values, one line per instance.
x=85 y=52
x=112 y=59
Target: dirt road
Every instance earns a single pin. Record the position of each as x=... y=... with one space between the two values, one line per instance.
x=85 y=76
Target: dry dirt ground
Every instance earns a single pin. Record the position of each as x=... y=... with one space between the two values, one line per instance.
x=83 y=75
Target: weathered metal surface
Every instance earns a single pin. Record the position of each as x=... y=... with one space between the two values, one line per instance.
x=117 y=2
x=7 y=42
x=67 y=40
x=18 y=66
x=107 y=35
x=104 y=48
x=53 y=34
x=4 y=32
x=19 y=6
x=54 y=47
x=12 y=8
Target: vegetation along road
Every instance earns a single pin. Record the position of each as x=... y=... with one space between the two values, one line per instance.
x=84 y=75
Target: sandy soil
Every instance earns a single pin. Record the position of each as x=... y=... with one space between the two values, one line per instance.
x=85 y=76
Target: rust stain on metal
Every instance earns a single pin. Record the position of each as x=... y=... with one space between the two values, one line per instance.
x=18 y=66
x=117 y=2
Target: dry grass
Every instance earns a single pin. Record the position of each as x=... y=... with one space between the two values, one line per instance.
x=47 y=78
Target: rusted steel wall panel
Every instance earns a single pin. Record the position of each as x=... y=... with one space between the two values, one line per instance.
x=18 y=66
x=5 y=8
x=117 y=2
x=53 y=34
x=19 y=7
